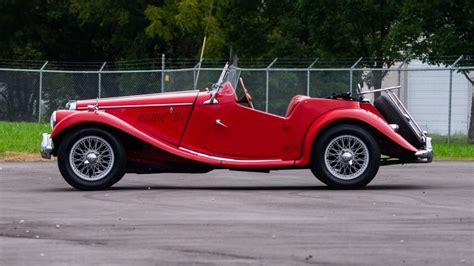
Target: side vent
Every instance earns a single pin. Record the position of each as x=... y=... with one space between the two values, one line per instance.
x=152 y=117
x=178 y=116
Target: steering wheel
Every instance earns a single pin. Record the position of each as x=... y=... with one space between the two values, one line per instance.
x=246 y=98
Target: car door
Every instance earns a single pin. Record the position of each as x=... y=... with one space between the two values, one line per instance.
x=241 y=132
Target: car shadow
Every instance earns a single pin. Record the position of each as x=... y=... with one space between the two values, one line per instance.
x=242 y=188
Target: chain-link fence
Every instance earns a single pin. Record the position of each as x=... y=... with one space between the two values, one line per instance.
x=439 y=97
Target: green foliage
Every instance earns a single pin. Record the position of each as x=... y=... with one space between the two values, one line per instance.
x=264 y=29
x=115 y=28
x=353 y=28
x=26 y=26
x=434 y=29
x=98 y=30
x=180 y=27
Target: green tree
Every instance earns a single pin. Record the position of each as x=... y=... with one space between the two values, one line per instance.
x=177 y=28
x=439 y=28
x=264 y=29
x=29 y=32
x=113 y=30
x=359 y=28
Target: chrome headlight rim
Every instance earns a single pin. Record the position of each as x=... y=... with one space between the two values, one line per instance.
x=71 y=105
x=52 y=120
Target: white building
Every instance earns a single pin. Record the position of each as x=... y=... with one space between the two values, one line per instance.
x=426 y=95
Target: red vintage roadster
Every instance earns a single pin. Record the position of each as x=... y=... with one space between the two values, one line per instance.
x=342 y=139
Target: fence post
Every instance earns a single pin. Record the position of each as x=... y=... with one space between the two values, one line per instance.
x=308 y=75
x=267 y=70
x=162 y=72
x=40 y=98
x=451 y=67
x=351 y=71
x=99 y=93
x=399 y=78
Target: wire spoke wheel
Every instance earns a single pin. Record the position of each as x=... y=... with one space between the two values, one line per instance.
x=91 y=158
x=346 y=157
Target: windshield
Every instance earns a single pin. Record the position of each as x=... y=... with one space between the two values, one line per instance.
x=230 y=73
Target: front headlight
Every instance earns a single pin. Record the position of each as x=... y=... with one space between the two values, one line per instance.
x=71 y=105
x=52 y=120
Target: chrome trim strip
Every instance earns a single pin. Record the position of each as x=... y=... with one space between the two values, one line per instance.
x=138 y=105
x=149 y=94
x=377 y=90
x=227 y=159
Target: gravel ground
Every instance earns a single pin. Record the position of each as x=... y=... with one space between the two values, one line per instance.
x=413 y=214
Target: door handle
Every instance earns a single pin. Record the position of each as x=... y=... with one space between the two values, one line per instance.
x=218 y=122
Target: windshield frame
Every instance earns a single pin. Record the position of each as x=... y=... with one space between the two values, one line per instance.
x=230 y=73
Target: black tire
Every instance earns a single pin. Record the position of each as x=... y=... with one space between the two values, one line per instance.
x=393 y=115
x=359 y=178
x=116 y=171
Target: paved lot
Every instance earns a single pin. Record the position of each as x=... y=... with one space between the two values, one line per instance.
x=414 y=214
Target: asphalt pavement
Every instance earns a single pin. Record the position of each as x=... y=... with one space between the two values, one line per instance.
x=412 y=214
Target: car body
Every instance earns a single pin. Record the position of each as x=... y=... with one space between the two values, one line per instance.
x=340 y=138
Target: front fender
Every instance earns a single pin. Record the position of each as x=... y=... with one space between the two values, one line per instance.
x=112 y=121
x=354 y=114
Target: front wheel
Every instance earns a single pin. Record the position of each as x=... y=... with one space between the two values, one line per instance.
x=345 y=157
x=91 y=159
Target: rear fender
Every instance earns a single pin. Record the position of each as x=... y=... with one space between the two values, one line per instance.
x=112 y=121
x=361 y=115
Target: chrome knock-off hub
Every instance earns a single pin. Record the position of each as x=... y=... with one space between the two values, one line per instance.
x=346 y=157
x=91 y=158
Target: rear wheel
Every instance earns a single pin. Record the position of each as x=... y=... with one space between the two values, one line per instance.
x=345 y=156
x=91 y=159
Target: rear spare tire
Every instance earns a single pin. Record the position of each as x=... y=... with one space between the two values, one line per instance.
x=393 y=115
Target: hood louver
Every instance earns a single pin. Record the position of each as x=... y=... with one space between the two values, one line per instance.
x=159 y=117
x=152 y=117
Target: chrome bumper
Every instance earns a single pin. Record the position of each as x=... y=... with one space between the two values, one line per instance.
x=425 y=155
x=46 y=146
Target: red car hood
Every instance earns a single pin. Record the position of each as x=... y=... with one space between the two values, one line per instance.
x=169 y=98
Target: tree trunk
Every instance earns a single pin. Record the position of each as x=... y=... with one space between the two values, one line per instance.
x=470 y=133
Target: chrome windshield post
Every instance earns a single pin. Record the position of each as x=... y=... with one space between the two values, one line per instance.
x=215 y=87
x=213 y=99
